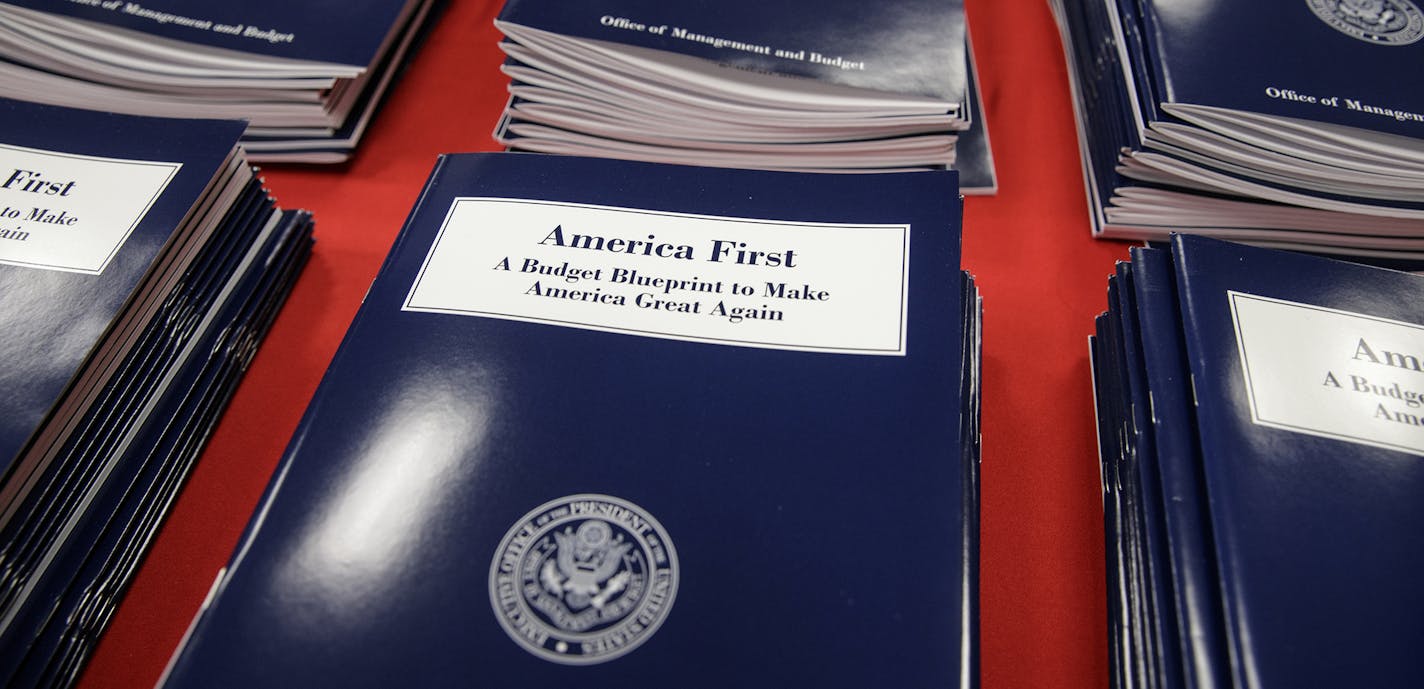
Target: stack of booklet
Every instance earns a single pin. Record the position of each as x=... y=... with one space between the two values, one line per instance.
x=1284 y=123
x=788 y=86
x=307 y=76
x=1261 y=422
x=141 y=262
x=603 y=423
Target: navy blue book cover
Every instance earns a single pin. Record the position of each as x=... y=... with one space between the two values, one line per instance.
x=1310 y=401
x=904 y=47
x=88 y=202
x=1154 y=560
x=341 y=32
x=1106 y=437
x=1111 y=399
x=602 y=423
x=1351 y=62
x=1178 y=461
x=67 y=614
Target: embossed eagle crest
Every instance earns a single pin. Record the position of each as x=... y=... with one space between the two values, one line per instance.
x=587 y=568
x=1383 y=22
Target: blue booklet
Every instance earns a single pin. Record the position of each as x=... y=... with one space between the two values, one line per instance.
x=343 y=33
x=1186 y=528
x=910 y=47
x=1325 y=61
x=747 y=85
x=55 y=617
x=308 y=77
x=518 y=129
x=89 y=204
x=1165 y=622
x=1135 y=616
x=1308 y=381
x=600 y=421
x=1259 y=425
x=1301 y=141
x=144 y=269
x=1140 y=479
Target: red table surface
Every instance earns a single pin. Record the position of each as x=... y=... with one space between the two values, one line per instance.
x=1043 y=602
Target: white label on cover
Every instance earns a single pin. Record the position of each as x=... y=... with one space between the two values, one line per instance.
x=1332 y=373
x=757 y=283
x=60 y=211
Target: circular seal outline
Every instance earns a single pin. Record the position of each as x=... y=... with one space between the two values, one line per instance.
x=504 y=606
x=1413 y=30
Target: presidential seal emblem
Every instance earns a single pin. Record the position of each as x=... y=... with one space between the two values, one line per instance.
x=1387 y=22
x=583 y=579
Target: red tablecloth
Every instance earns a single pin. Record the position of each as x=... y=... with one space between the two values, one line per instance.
x=1042 y=276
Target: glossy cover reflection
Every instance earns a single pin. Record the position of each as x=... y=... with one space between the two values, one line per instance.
x=428 y=438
